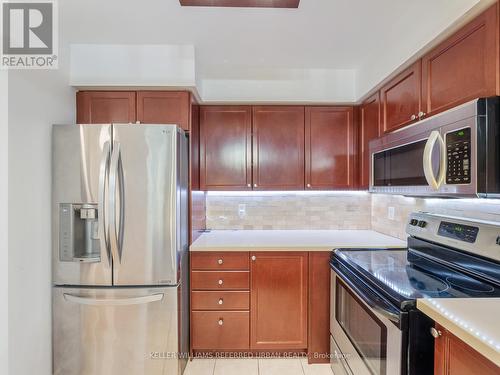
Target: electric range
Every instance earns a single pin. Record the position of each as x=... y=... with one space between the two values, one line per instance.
x=375 y=326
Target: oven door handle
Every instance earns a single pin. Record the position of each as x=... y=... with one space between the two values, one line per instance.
x=372 y=299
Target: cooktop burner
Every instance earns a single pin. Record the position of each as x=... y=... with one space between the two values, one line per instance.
x=469 y=284
x=406 y=281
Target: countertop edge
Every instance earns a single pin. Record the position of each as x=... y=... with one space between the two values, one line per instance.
x=280 y=248
x=470 y=339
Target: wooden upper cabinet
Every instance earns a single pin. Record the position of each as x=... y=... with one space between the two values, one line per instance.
x=99 y=107
x=369 y=129
x=463 y=67
x=278 y=148
x=452 y=356
x=401 y=99
x=279 y=300
x=164 y=107
x=194 y=146
x=329 y=148
x=225 y=148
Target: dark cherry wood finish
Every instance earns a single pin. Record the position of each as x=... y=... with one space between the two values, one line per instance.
x=452 y=356
x=194 y=146
x=243 y=3
x=329 y=148
x=463 y=67
x=226 y=148
x=369 y=128
x=214 y=261
x=211 y=280
x=220 y=300
x=319 y=307
x=220 y=330
x=278 y=300
x=401 y=99
x=164 y=107
x=105 y=107
x=278 y=148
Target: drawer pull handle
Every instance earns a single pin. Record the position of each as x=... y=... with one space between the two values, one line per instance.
x=435 y=333
x=254 y=258
x=221 y=301
x=221 y=322
x=220 y=261
x=221 y=282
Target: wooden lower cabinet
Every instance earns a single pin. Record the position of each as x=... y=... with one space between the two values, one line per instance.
x=452 y=356
x=224 y=330
x=268 y=302
x=279 y=300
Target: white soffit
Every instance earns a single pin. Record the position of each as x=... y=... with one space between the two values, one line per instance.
x=102 y=65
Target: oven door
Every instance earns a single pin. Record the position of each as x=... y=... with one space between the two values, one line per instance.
x=365 y=329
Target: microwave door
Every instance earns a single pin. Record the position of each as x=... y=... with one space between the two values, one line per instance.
x=144 y=204
x=80 y=166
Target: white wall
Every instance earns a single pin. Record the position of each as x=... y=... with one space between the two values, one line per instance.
x=37 y=99
x=4 y=255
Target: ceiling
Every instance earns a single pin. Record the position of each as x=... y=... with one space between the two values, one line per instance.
x=340 y=48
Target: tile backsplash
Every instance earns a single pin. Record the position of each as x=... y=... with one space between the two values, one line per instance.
x=342 y=210
x=484 y=209
x=337 y=210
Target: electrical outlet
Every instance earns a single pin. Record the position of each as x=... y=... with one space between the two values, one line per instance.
x=242 y=210
x=391 y=213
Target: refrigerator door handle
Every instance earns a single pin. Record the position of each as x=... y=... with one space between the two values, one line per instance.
x=113 y=302
x=115 y=182
x=101 y=206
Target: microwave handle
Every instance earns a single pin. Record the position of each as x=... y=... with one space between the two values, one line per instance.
x=434 y=137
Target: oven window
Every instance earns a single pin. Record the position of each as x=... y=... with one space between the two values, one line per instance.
x=362 y=327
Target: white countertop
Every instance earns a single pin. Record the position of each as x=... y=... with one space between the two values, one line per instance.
x=473 y=320
x=298 y=240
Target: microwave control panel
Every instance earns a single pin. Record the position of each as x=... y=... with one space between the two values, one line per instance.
x=458 y=145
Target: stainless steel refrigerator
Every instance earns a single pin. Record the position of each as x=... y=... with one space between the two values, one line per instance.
x=120 y=249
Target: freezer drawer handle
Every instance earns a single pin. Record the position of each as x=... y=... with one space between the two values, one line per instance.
x=113 y=302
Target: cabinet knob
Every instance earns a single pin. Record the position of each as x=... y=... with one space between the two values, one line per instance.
x=221 y=282
x=413 y=117
x=220 y=261
x=221 y=322
x=249 y=185
x=308 y=185
x=435 y=333
x=254 y=258
x=255 y=185
x=421 y=114
x=221 y=301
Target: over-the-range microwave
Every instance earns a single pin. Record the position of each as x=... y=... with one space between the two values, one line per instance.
x=453 y=154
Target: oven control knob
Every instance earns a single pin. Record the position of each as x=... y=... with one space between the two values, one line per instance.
x=422 y=224
x=498 y=240
x=413 y=222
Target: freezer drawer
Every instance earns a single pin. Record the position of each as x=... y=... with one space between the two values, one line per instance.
x=107 y=331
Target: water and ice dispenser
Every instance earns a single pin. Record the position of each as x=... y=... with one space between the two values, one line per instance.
x=78 y=233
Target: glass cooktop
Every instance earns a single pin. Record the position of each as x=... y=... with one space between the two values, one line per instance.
x=406 y=281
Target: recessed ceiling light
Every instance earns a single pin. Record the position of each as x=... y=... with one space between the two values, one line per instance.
x=242 y=3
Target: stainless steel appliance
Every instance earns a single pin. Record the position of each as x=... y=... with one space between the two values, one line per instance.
x=120 y=249
x=455 y=153
x=374 y=324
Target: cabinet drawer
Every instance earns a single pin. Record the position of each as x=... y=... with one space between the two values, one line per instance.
x=223 y=280
x=219 y=261
x=220 y=300
x=220 y=330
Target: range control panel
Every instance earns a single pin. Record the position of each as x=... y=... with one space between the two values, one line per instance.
x=459 y=232
x=458 y=145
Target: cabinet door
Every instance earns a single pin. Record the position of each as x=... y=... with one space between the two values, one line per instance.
x=401 y=99
x=329 y=148
x=278 y=148
x=105 y=107
x=164 y=107
x=369 y=129
x=455 y=357
x=463 y=67
x=278 y=300
x=226 y=148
